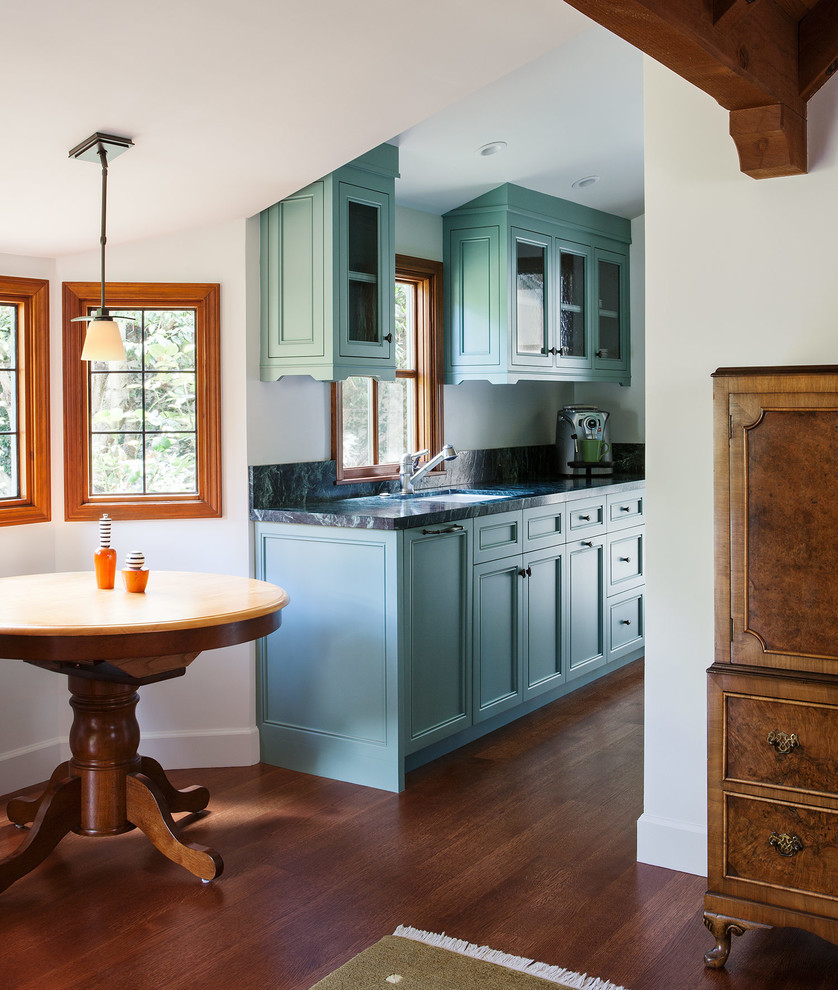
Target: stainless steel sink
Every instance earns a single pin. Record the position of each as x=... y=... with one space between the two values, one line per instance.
x=445 y=495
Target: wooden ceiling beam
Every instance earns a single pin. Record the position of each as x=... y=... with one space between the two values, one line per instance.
x=743 y=53
x=818 y=41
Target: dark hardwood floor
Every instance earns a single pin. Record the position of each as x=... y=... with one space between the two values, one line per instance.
x=524 y=841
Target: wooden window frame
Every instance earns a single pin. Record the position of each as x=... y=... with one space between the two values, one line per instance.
x=429 y=413
x=204 y=298
x=31 y=296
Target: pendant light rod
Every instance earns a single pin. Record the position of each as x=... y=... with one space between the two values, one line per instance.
x=103 y=341
x=102 y=151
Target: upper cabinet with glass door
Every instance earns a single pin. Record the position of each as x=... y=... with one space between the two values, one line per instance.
x=535 y=288
x=327 y=274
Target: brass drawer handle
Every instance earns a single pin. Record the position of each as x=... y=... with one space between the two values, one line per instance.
x=783 y=743
x=785 y=844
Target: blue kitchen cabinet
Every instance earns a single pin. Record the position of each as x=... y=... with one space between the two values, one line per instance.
x=398 y=646
x=546 y=627
x=436 y=631
x=536 y=289
x=328 y=275
x=520 y=593
x=328 y=688
x=499 y=611
x=586 y=605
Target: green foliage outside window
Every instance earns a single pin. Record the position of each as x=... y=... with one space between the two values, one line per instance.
x=390 y=407
x=143 y=410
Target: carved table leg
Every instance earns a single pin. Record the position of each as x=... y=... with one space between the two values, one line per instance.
x=22 y=811
x=59 y=813
x=100 y=790
x=193 y=798
x=721 y=928
x=147 y=810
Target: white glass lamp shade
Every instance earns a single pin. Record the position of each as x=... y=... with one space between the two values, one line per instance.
x=103 y=341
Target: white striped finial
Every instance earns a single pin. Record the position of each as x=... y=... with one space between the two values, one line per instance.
x=105 y=530
x=134 y=560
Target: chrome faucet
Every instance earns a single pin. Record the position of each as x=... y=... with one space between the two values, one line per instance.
x=410 y=472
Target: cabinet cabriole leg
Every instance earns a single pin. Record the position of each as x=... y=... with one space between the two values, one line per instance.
x=721 y=928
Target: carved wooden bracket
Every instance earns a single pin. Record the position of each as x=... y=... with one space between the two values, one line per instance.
x=760 y=59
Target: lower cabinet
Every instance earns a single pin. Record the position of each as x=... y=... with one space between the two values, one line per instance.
x=586 y=611
x=436 y=635
x=398 y=646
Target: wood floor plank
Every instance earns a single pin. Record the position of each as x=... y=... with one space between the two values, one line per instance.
x=524 y=841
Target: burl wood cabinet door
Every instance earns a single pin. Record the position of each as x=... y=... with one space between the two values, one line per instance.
x=783 y=465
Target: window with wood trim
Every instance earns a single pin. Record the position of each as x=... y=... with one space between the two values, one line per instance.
x=142 y=437
x=24 y=401
x=374 y=423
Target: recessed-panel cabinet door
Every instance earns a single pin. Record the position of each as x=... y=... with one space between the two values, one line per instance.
x=546 y=627
x=586 y=605
x=474 y=298
x=499 y=609
x=784 y=530
x=437 y=629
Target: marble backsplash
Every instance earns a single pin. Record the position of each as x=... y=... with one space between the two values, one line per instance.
x=276 y=485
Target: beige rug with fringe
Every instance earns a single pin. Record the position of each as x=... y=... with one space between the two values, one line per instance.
x=415 y=960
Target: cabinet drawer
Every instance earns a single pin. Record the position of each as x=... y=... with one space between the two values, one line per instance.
x=625 y=560
x=498 y=535
x=626 y=510
x=544 y=526
x=757 y=831
x=585 y=518
x=782 y=743
x=626 y=624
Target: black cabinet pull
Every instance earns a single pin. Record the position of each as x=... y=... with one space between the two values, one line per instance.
x=587 y=543
x=438 y=532
x=625 y=622
x=586 y=518
x=625 y=508
x=626 y=560
x=388 y=337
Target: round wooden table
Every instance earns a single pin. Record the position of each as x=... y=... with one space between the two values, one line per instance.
x=109 y=643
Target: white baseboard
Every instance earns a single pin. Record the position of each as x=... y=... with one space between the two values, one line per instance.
x=212 y=748
x=675 y=845
x=21 y=768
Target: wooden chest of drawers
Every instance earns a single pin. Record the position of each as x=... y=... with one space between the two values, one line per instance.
x=773 y=688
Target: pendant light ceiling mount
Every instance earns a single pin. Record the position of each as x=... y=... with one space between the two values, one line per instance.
x=103 y=341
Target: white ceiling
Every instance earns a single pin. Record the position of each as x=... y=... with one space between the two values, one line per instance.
x=233 y=104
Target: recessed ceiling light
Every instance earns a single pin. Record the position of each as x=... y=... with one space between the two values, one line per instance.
x=588 y=180
x=492 y=148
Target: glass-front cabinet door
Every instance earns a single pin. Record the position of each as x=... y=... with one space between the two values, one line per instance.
x=366 y=274
x=573 y=321
x=531 y=329
x=611 y=316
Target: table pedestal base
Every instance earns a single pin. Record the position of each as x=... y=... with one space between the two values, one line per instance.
x=107 y=788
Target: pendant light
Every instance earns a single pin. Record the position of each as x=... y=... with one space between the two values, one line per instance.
x=103 y=340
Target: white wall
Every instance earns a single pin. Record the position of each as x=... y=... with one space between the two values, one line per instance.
x=30 y=699
x=739 y=272
x=207 y=717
